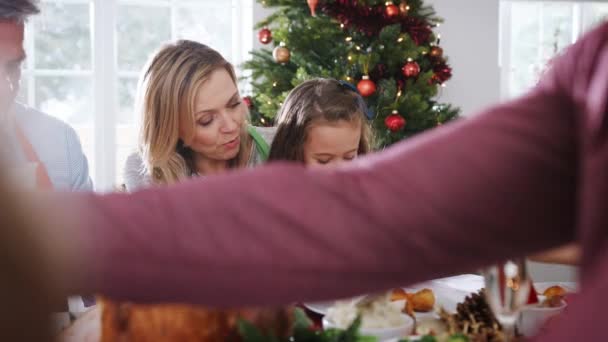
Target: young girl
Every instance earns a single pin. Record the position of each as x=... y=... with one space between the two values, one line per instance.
x=322 y=123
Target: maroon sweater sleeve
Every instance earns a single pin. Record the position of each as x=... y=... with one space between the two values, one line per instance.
x=501 y=183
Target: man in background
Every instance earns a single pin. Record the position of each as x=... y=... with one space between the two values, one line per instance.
x=39 y=151
x=43 y=151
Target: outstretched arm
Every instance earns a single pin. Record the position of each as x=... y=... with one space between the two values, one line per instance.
x=503 y=183
x=479 y=190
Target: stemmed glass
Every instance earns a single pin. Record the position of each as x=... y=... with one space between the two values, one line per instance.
x=507 y=290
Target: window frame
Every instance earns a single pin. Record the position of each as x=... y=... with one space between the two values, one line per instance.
x=105 y=74
x=580 y=16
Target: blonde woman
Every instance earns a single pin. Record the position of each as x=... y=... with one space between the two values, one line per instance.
x=194 y=120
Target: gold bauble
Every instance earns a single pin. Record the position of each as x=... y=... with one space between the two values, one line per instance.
x=436 y=52
x=404 y=9
x=281 y=54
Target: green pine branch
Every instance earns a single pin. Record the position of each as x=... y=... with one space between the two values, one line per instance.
x=320 y=47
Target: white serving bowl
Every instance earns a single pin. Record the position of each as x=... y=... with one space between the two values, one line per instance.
x=532 y=318
x=383 y=334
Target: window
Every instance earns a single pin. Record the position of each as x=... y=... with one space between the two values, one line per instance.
x=85 y=57
x=532 y=32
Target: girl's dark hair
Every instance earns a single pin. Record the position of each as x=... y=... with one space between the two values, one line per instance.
x=312 y=101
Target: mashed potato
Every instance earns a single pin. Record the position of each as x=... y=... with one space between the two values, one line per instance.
x=379 y=313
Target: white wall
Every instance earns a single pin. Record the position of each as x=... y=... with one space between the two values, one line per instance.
x=469 y=38
x=259 y=13
x=548 y=272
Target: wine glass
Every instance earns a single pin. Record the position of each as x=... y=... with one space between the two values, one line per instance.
x=507 y=290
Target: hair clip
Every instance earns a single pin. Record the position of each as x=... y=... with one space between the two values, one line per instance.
x=349 y=86
x=369 y=113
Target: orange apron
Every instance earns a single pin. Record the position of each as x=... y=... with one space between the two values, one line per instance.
x=43 y=182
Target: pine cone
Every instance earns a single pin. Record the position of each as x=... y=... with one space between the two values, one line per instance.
x=475 y=319
x=477 y=306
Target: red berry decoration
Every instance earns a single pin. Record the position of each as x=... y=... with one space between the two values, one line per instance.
x=394 y=122
x=265 y=35
x=366 y=86
x=411 y=69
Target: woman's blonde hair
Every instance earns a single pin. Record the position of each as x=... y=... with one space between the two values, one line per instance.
x=166 y=95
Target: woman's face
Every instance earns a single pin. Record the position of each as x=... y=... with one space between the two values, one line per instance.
x=219 y=117
x=331 y=143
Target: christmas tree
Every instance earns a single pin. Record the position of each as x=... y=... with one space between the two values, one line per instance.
x=387 y=49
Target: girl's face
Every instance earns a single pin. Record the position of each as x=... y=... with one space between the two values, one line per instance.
x=219 y=115
x=330 y=143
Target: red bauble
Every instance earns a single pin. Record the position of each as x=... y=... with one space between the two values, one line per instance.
x=265 y=36
x=391 y=10
x=394 y=122
x=366 y=87
x=411 y=69
x=248 y=101
x=312 y=4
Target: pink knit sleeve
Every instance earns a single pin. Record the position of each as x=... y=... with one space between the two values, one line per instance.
x=501 y=183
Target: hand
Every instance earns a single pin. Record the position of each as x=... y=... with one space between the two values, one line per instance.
x=87 y=328
x=567 y=255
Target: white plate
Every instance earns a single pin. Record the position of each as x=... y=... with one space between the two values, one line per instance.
x=448 y=293
x=319 y=307
x=465 y=282
x=445 y=297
